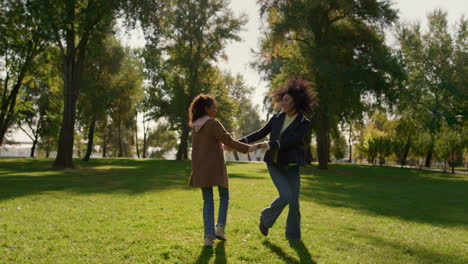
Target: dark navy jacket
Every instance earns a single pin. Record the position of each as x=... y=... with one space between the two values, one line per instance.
x=290 y=145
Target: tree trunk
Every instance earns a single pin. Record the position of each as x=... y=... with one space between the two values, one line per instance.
x=8 y=109
x=323 y=143
x=120 y=154
x=47 y=148
x=144 y=144
x=428 y=159
x=453 y=162
x=136 y=145
x=105 y=139
x=89 y=148
x=350 y=143
x=236 y=156
x=33 y=148
x=406 y=152
x=248 y=156
x=73 y=59
x=183 y=146
x=64 y=157
x=350 y=152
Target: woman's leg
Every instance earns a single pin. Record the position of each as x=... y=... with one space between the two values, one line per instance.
x=293 y=222
x=223 y=206
x=208 y=212
x=272 y=212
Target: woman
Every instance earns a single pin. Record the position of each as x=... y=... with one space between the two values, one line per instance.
x=208 y=166
x=286 y=152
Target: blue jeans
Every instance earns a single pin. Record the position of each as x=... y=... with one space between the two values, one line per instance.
x=288 y=182
x=208 y=209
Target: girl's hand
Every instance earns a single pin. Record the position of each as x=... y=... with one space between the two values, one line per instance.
x=227 y=148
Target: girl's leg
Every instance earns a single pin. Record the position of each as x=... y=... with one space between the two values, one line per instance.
x=208 y=212
x=223 y=206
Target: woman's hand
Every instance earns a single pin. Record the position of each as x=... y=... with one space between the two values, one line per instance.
x=254 y=147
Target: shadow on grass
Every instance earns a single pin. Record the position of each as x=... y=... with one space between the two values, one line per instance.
x=302 y=251
x=418 y=253
x=220 y=253
x=205 y=255
x=21 y=177
x=421 y=196
x=298 y=246
x=245 y=176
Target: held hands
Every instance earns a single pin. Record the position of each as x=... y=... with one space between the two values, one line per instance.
x=227 y=148
x=254 y=147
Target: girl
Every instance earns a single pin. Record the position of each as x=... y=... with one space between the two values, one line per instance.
x=208 y=166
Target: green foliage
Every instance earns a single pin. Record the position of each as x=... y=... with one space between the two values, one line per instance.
x=449 y=144
x=128 y=93
x=436 y=62
x=101 y=79
x=339 y=46
x=338 y=146
x=22 y=39
x=161 y=140
x=190 y=40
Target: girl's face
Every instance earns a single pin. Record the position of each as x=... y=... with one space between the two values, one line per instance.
x=288 y=105
x=212 y=110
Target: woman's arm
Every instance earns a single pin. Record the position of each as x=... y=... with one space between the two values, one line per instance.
x=259 y=134
x=221 y=134
x=293 y=138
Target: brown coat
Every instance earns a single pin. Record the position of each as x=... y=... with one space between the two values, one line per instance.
x=208 y=166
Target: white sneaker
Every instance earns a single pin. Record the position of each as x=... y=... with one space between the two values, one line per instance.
x=220 y=233
x=208 y=242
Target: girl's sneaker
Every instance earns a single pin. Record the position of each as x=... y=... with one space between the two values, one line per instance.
x=208 y=242
x=220 y=233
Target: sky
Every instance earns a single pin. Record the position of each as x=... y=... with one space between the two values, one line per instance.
x=239 y=53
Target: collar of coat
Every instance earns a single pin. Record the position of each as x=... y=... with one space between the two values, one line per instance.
x=300 y=118
x=200 y=122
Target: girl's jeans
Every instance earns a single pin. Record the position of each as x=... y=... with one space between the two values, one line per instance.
x=208 y=209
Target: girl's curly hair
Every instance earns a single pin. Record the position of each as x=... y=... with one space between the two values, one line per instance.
x=302 y=92
x=197 y=107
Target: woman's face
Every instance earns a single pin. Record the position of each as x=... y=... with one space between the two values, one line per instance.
x=212 y=110
x=288 y=105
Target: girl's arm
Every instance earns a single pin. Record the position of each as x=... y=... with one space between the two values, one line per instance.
x=222 y=135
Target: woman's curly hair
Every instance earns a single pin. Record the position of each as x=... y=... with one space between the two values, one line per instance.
x=197 y=107
x=302 y=92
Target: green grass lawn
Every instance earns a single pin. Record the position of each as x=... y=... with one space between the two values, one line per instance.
x=142 y=211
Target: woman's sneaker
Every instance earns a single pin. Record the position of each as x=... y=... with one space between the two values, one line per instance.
x=208 y=242
x=220 y=233
x=263 y=228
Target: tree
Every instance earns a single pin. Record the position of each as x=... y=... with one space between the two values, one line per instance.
x=340 y=45
x=436 y=62
x=72 y=24
x=99 y=85
x=244 y=114
x=338 y=146
x=22 y=39
x=191 y=37
x=161 y=140
x=38 y=106
x=129 y=93
x=449 y=142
